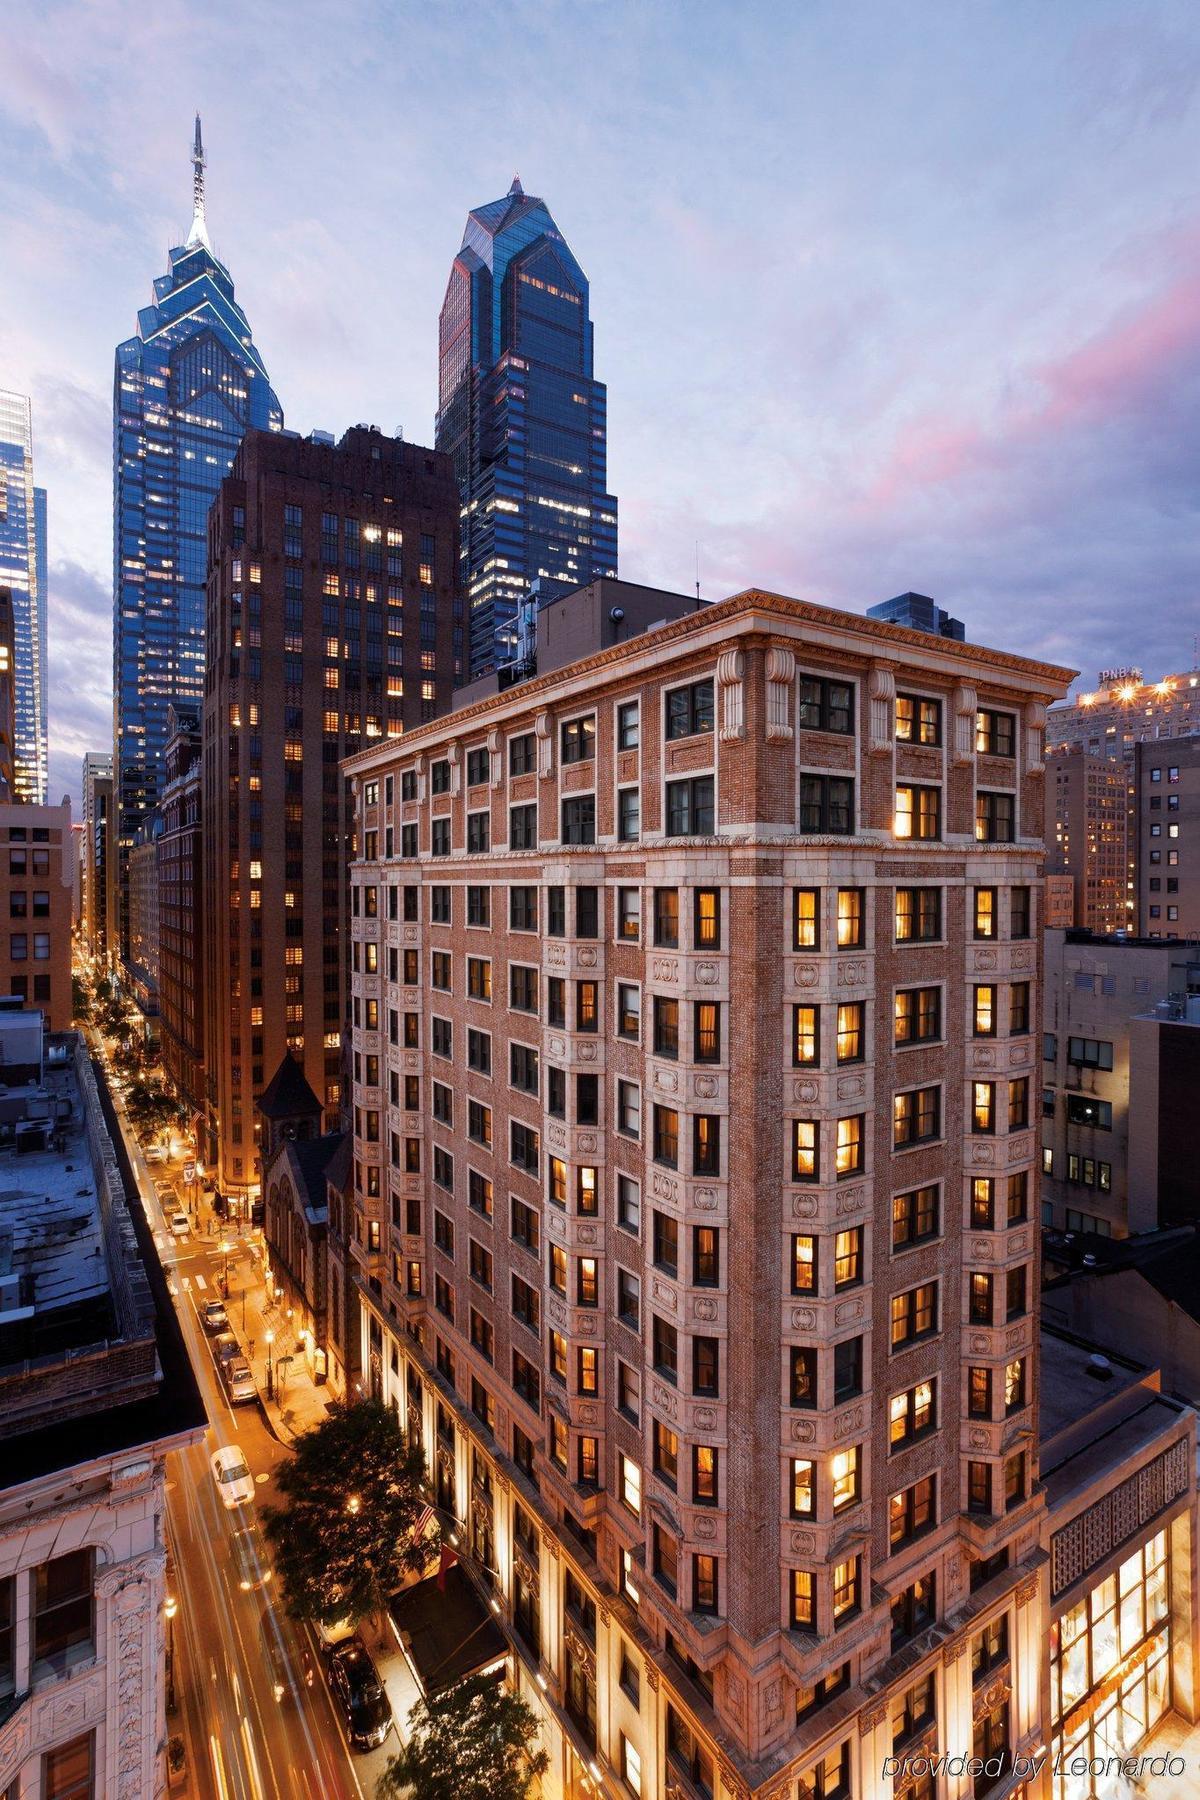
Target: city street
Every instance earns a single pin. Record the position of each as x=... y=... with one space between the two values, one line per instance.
x=232 y=1644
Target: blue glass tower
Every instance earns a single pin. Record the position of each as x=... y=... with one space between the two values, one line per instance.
x=524 y=419
x=23 y=570
x=185 y=391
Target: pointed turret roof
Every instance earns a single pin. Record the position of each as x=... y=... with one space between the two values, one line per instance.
x=287 y=1095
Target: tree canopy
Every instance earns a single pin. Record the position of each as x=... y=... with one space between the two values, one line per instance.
x=353 y=1491
x=473 y=1742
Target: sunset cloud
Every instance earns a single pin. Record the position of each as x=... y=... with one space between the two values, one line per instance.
x=882 y=300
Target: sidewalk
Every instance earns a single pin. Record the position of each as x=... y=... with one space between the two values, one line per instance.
x=296 y=1403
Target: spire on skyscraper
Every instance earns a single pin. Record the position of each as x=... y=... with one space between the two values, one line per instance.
x=199 y=232
x=516 y=187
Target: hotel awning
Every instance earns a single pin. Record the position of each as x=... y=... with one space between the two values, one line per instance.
x=447 y=1633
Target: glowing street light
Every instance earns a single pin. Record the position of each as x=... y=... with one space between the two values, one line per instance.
x=270 y=1369
x=170 y=1608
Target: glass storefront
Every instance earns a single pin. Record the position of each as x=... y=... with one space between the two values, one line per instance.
x=1110 y=1671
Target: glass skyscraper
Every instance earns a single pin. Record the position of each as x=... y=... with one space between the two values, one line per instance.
x=523 y=418
x=186 y=389
x=23 y=569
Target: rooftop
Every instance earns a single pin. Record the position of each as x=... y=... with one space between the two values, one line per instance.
x=92 y=1359
x=752 y=610
x=1099 y=1412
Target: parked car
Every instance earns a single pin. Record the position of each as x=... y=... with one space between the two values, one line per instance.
x=362 y=1700
x=181 y=1225
x=240 y=1383
x=213 y=1316
x=247 y=1558
x=154 y=1153
x=235 y=1484
x=291 y=1664
x=226 y=1349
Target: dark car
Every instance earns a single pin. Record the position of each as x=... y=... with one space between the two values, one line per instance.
x=360 y=1694
x=247 y=1559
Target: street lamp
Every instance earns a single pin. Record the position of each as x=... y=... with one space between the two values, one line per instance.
x=270 y=1371
x=225 y=1247
x=170 y=1608
x=354 y=1506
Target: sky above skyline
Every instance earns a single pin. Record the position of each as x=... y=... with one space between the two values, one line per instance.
x=885 y=297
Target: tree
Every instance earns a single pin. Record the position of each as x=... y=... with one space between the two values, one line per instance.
x=148 y=1106
x=345 y=1538
x=473 y=1742
x=81 y=1003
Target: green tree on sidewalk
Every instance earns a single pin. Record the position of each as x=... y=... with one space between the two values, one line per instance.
x=344 y=1540
x=474 y=1742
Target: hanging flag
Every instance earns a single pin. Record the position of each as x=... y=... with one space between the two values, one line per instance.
x=446 y=1561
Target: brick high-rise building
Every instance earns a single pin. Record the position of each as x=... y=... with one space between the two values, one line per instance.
x=696 y=1055
x=181 y=909
x=37 y=875
x=1087 y=837
x=333 y=611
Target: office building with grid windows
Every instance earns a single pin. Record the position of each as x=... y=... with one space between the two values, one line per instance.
x=186 y=388
x=24 y=573
x=524 y=419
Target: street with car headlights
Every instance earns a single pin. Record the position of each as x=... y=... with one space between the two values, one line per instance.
x=247 y=1686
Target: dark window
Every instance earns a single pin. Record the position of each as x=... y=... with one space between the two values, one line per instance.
x=825 y=705
x=579 y=819
x=63 y=1612
x=690 y=807
x=690 y=710
x=827 y=805
x=579 y=740
x=522 y=754
x=847 y=1369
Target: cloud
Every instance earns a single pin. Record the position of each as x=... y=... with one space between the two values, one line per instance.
x=879 y=304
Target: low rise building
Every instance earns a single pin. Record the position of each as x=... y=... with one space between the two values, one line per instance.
x=306 y=1180
x=95 y=1390
x=1119 y=1665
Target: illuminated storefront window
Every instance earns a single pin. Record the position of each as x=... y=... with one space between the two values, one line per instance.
x=1110 y=1667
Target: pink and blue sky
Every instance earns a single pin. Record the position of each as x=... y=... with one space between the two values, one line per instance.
x=886 y=296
